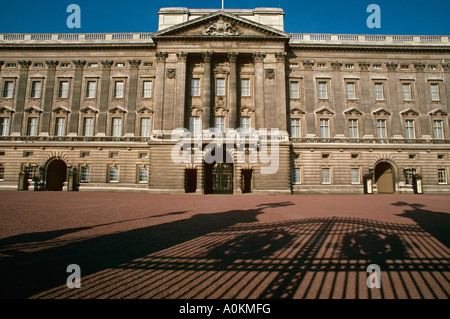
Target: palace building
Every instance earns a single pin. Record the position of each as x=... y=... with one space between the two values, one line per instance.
x=338 y=113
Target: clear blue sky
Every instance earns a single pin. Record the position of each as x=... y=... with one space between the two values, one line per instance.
x=415 y=17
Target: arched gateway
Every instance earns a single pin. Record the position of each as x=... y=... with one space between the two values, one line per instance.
x=56 y=175
x=384 y=178
x=219 y=172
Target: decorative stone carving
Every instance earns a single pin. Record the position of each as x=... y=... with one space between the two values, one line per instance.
x=106 y=63
x=270 y=74
x=258 y=56
x=308 y=64
x=232 y=57
x=280 y=56
x=207 y=56
x=419 y=66
x=182 y=56
x=171 y=73
x=52 y=64
x=336 y=65
x=79 y=64
x=392 y=66
x=161 y=56
x=364 y=65
x=24 y=64
x=134 y=63
x=221 y=28
x=445 y=66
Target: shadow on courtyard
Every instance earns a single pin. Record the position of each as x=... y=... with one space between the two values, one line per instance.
x=232 y=255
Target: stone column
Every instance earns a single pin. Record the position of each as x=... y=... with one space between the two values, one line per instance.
x=280 y=78
x=366 y=103
x=339 y=99
x=206 y=120
x=104 y=97
x=310 y=98
x=258 y=59
x=178 y=119
x=393 y=94
x=232 y=115
x=159 y=89
x=16 y=126
x=422 y=89
x=132 y=97
x=48 y=96
x=76 y=97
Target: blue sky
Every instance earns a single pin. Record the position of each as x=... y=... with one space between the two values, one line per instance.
x=414 y=17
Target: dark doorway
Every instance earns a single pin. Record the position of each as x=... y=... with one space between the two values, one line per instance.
x=190 y=180
x=246 y=180
x=384 y=178
x=56 y=175
x=219 y=174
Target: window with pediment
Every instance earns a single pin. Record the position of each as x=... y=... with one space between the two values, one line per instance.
x=382 y=123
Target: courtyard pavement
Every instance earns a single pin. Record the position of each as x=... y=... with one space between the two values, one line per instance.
x=130 y=245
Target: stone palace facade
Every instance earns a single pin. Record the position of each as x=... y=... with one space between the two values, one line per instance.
x=347 y=113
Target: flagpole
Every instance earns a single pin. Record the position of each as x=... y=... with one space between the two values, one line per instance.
x=222 y=4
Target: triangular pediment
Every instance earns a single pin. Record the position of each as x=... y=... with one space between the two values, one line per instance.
x=222 y=25
x=410 y=112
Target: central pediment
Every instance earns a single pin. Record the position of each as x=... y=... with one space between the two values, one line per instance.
x=220 y=25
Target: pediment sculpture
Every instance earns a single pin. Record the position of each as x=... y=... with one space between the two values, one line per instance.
x=221 y=28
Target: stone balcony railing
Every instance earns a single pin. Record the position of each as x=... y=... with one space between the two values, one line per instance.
x=295 y=38
x=361 y=39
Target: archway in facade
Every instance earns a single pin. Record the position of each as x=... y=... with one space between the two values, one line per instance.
x=384 y=178
x=219 y=174
x=56 y=175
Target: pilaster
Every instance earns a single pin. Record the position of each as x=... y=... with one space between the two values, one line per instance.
x=48 y=96
x=104 y=96
x=232 y=56
x=258 y=60
x=159 y=89
x=76 y=97
x=132 y=96
x=20 y=100
x=206 y=120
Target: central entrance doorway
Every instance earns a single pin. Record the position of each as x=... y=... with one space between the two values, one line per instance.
x=56 y=175
x=219 y=174
x=384 y=178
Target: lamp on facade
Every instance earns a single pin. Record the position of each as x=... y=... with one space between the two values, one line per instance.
x=371 y=170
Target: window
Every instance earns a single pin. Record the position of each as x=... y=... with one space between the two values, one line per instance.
x=353 y=129
x=60 y=126
x=85 y=154
x=323 y=90
x=93 y=65
x=8 y=89
x=143 y=174
x=434 y=87
x=38 y=65
x=296 y=176
x=65 y=65
x=379 y=92
x=351 y=90
x=441 y=156
x=293 y=90
x=246 y=124
x=113 y=155
x=4 y=126
x=120 y=64
x=118 y=89
x=324 y=128
x=84 y=174
x=91 y=89
x=381 y=129
x=10 y=65
x=245 y=87
x=326 y=176
x=145 y=126
x=349 y=66
x=407 y=94
x=295 y=128
x=442 y=176
x=147 y=89
x=194 y=124
x=36 y=89
x=27 y=154
x=404 y=67
x=432 y=67
x=143 y=155
x=321 y=65
x=376 y=67
x=354 y=174
x=113 y=174
x=220 y=123
x=220 y=87
x=411 y=173
x=32 y=127
x=116 y=126
x=326 y=155
x=88 y=126
x=2 y=172
x=63 y=91
x=195 y=87
x=409 y=129
x=438 y=129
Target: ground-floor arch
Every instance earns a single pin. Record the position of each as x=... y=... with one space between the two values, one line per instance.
x=56 y=175
x=384 y=178
x=219 y=174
